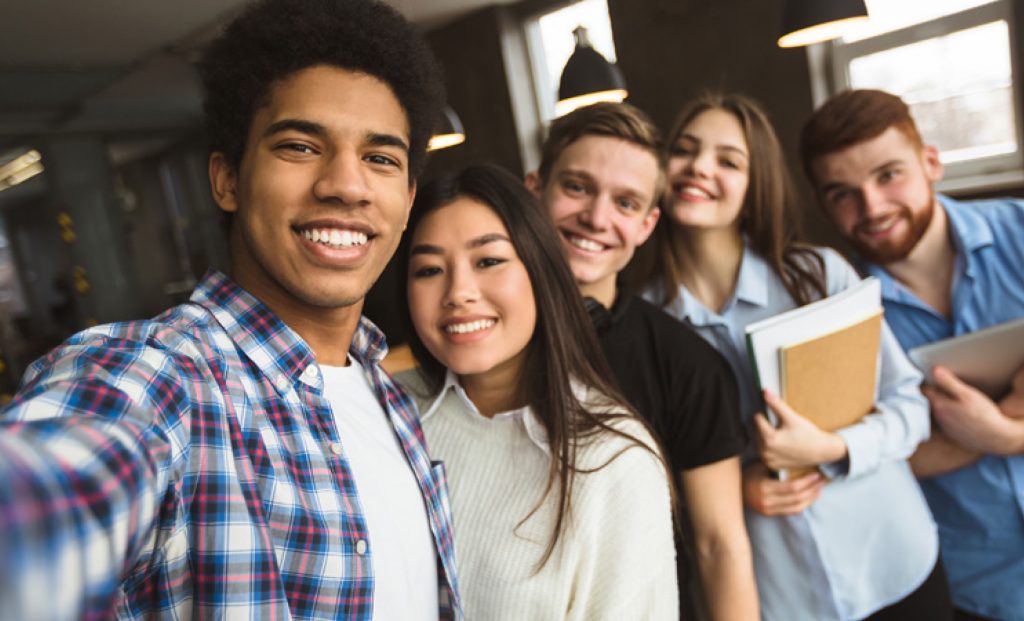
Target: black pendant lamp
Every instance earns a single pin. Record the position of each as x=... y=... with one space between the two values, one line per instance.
x=450 y=132
x=811 y=21
x=588 y=77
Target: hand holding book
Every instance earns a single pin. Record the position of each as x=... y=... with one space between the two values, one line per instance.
x=796 y=442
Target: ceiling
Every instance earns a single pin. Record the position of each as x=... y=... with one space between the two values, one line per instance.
x=121 y=69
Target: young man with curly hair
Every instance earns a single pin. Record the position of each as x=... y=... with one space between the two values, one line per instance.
x=243 y=455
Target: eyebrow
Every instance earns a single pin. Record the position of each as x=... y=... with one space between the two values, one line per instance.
x=834 y=185
x=312 y=128
x=476 y=242
x=719 y=147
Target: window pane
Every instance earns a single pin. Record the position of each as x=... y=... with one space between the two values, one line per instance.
x=556 y=33
x=888 y=15
x=959 y=87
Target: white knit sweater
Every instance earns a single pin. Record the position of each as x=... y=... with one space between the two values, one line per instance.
x=615 y=561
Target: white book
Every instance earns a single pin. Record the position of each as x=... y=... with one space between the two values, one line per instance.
x=766 y=338
x=986 y=359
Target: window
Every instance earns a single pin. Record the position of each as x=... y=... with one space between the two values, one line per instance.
x=952 y=62
x=550 y=42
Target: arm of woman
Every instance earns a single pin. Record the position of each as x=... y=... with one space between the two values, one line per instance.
x=714 y=497
x=627 y=566
x=893 y=431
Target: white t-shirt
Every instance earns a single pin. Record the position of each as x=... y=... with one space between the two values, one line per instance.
x=401 y=544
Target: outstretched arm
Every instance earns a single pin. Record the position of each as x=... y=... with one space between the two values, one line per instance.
x=83 y=471
x=714 y=498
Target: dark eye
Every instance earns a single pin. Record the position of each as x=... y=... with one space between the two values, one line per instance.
x=383 y=160
x=426 y=272
x=680 y=150
x=298 y=147
x=730 y=164
x=489 y=262
x=573 y=188
x=888 y=175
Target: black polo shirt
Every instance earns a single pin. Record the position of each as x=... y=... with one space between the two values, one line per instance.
x=674 y=379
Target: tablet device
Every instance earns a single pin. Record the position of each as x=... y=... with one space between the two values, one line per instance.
x=986 y=359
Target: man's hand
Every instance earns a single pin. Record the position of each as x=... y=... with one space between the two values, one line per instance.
x=1013 y=404
x=796 y=442
x=767 y=496
x=970 y=418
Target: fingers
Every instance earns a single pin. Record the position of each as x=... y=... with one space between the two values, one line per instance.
x=770 y=497
x=780 y=407
x=791 y=497
x=948 y=382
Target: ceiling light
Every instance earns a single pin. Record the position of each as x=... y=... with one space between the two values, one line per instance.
x=812 y=21
x=588 y=78
x=450 y=133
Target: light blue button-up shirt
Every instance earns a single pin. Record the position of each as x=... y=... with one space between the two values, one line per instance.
x=869 y=540
x=980 y=508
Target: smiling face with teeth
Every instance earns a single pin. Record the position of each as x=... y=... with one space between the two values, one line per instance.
x=878 y=193
x=470 y=297
x=708 y=172
x=600 y=193
x=320 y=197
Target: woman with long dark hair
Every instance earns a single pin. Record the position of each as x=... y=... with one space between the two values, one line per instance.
x=854 y=538
x=560 y=497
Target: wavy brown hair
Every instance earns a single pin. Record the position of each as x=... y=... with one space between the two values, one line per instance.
x=769 y=218
x=563 y=347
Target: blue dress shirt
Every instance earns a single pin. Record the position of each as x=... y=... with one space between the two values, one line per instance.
x=869 y=540
x=980 y=508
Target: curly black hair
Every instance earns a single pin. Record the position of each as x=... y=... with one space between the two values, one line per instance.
x=273 y=39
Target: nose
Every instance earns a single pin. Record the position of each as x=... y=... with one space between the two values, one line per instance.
x=597 y=214
x=342 y=177
x=872 y=200
x=701 y=163
x=461 y=287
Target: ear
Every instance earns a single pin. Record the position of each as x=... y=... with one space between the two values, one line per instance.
x=933 y=167
x=650 y=221
x=223 y=182
x=408 y=207
x=534 y=184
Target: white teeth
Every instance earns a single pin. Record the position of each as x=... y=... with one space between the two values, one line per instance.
x=472 y=326
x=880 y=226
x=585 y=244
x=694 y=191
x=338 y=238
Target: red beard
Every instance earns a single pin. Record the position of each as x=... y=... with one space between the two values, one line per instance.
x=892 y=250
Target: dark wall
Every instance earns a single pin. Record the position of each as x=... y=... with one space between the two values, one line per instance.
x=672 y=50
x=469 y=51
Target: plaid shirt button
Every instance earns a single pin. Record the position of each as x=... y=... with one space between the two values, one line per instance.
x=361 y=547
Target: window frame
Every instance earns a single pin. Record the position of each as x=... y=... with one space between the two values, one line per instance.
x=829 y=64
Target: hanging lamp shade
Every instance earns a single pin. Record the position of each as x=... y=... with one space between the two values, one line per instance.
x=811 y=21
x=450 y=132
x=588 y=77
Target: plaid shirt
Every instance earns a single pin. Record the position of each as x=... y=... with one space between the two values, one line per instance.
x=189 y=467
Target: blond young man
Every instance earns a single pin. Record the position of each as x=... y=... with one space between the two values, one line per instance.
x=600 y=178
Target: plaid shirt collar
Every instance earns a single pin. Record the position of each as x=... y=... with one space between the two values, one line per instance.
x=277 y=350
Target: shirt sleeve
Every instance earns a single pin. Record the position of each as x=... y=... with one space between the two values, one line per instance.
x=900 y=421
x=85 y=461
x=628 y=570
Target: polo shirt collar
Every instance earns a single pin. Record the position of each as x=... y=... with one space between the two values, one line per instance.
x=454 y=390
x=751 y=288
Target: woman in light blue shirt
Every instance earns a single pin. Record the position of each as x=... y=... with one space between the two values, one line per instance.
x=854 y=539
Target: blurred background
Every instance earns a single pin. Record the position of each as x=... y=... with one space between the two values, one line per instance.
x=105 y=210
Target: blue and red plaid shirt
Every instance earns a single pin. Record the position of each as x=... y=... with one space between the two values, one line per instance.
x=189 y=467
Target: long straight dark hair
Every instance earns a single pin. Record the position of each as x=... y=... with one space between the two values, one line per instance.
x=563 y=347
x=769 y=217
